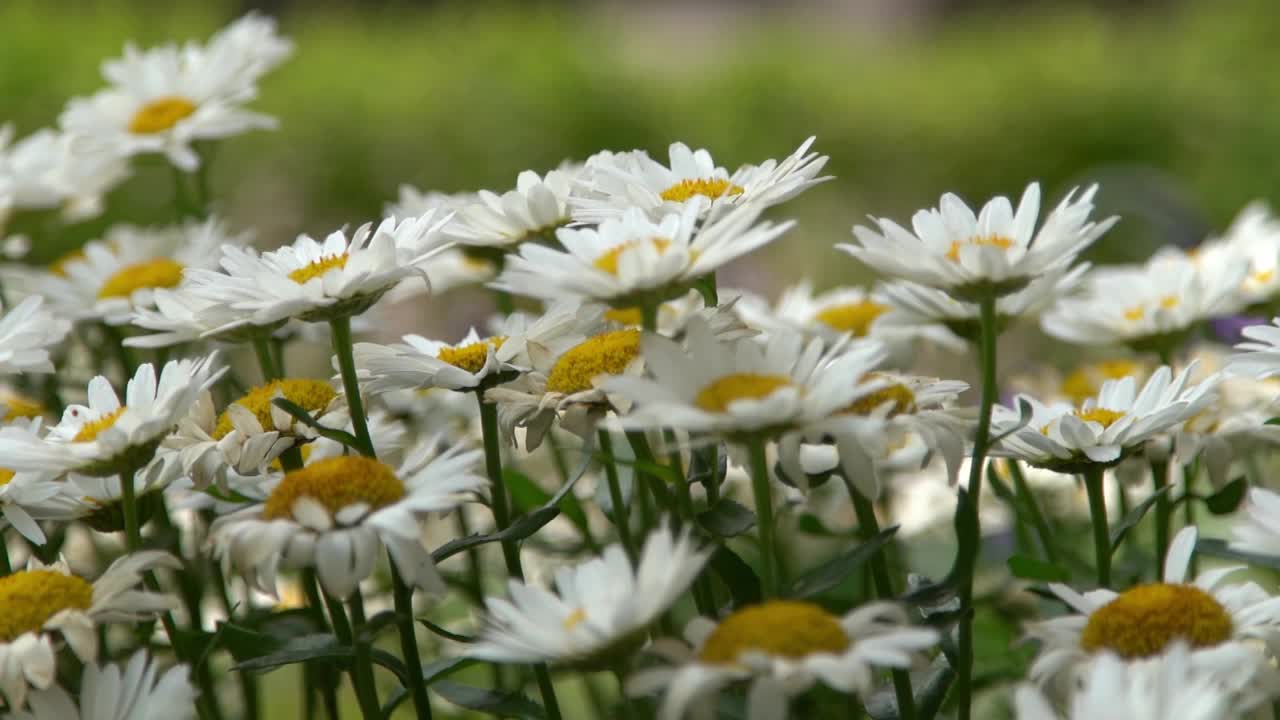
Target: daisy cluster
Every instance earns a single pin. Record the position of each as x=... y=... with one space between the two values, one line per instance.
x=714 y=496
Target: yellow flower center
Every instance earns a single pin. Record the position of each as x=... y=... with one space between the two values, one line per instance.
x=28 y=598
x=1102 y=416
x=1143 y=620
x=310 y=395
x=717 y=396
x=1169 y=302
x=16 y=406
x=608 y=260
x=605 y=354
x=157 y=273
x=91 y=430
x=904 y=401
x=625 y=316
x=6 y=475
x=318 y=268
x=853 y=318
x=336 y=483
x=1137 y=312
x=998 y=241
x=160 y=114
x=574 y=619
x=707 y=187
x=470 y=357
x=1085 y=381
x=783 y=628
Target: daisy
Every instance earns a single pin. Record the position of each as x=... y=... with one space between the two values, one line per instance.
x=336 y=513
x=1260 y=353
x=632 y=260
x=782 y=648
x=1257 y=528
x=105 y=437
x=613 y=183
x=164 y=99
x=600 y=611
x=27 y=332
x=100 y=499
x=998 y=250
x=1150 y=307
x=181 y=316
x=534 y=209
x=27 y=497
x=1255 y=236
x=1233 y=425
x=52 y=170
x=41 y=603
x=1104 y=428
x=112 y=278
x=314 y=281
x=1225 y=625
x=109 y=693
x=451 y=268
x=1082 y=381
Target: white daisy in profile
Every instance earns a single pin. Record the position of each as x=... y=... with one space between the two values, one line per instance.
x=448 y=269
x=180 y=316
x=27 y=332
x=1083 y=381
x=612 y=183
x=1259 y=355
x=100 y=498
x=164 y=99
x=632 y=260
x=317 y=281
x=781 y=648
x=48 y=170
x=1148 y=307
x=998 y=250
x=41 y=604
x=105 y=436
x=600 y=611
x=136 y=692
x=1104 y=428
x=248 y=48
x=1257 y=529
x=28 y=497
x=1226 y=626
x=111 y=278
x=1255 y=236
x=1165 y=687
x=732 y=388
x=1234 y=425
x=534 y=209
x=337 y=513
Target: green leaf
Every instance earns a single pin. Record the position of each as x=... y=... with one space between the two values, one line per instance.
x=1226 y=500
x=1273 y=421
x=726 y=519
x=1134 y=517
x=526 y=495
x=378 y=623
x=511 y=704
x=929 y=685
x=519 y=530
x=316 y=646
x=1220 y=549
x=432 y=672
x=304 y=417
x=811 y=525
x=438 y=630
x=1032 y=569
x=737 y=575
x=833 y=572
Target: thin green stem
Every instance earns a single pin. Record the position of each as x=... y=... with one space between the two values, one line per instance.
x=762 y=489
x=262 y=349
x=316 y=603
x=1189 y=473
x=181 y=203
x=362 y=664
x=345 y=352
x=621 y=513
x=625 y=708
x=644 y=454
x=649 y=316
x=132 y=531
x=1032 y=505
x=409 y=642
x=124 y=355
x=6 y=567
x=1163 y=512
x=291 y=459
x=1098 y=516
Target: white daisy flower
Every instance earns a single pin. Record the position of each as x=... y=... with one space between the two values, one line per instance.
x=1082 y=381
x=164 y=99
x=27 y=332
x=110 y=693
x=1234 y=424
x=180 y=316
x=1165 y=687
x=51 y=170
x=314 y=281
x=100 y=499
x=1255 y=236
x=1227 y=626
x=601 y=609
x=15 y=405
x=450 y=268
x=105 y=436
x=613 y=183
x=782 y=648
x=111 y=278
x=1151 y=306
x=42 y=603
x=1259 y=355
x=534 y=209
x=30 y=496
x=1257 y=528
x=335 y=514
x=632 y=260
x=1000 y=249
x=1104 y=428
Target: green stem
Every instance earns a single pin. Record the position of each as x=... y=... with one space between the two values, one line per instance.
x=343 y=348
x=262 y=349
x=644 y=454
x=869 y=527
x=1098 y=515
x=181 y=203
x=316 y=603
x=249 y=691
x=291 y=459
x=621 y=512
x=763 y=492
x=1189 y=473
x=981 y=437
x=128 y=364
x=132 y=532
x=362 y=665
x=409 y=642
x=649 y=316
x=1164 y=512
x=625 y=708
x=1032 y=505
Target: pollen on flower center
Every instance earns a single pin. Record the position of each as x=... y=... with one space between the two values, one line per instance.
x=336 y=483
x=853 y=318
x=901 y=397
x=608 y=260
x=997 y=241
x=707 y=187
x=1143 y=620
x=780 y=627
x=318 y=268
x=605 y=354
x=625 y=316
x=157 y=273
x=160 y=114
x=16 y=406
x=28 y=598
x=91 y=430
x=470 y=357
x=717 y=396
x=1085 y=381
x=311 y=395
x=574 y=619
x=5 y=476
x=1102 y=416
